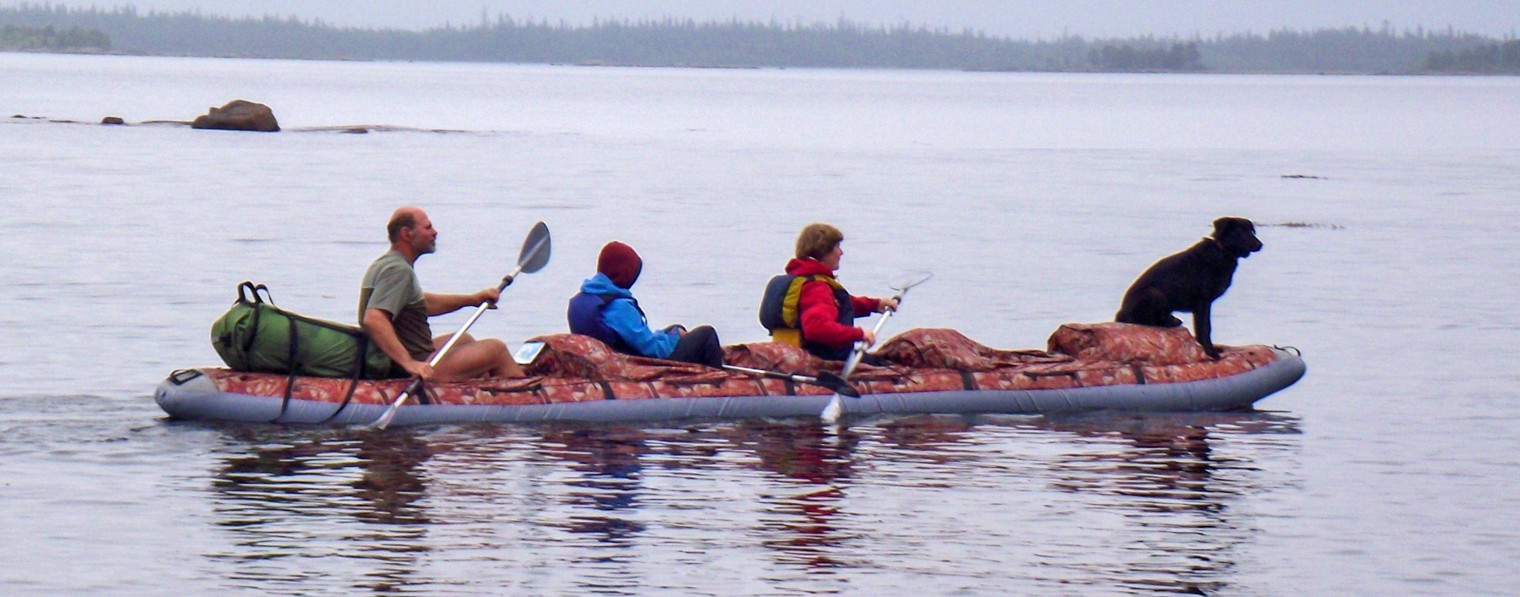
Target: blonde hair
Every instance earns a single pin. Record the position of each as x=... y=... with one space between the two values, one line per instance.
x=817 y=240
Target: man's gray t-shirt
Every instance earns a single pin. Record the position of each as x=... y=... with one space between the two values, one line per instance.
x=391 y=285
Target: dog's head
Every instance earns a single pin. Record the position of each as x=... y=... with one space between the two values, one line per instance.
x=1237 y=236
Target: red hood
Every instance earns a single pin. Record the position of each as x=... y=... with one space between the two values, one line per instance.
x=620 y=263
x=808 y=267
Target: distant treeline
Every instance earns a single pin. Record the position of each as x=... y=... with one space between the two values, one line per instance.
x=1487 y=58
x=1177 y=58
x=843 y=44
x=74 y=39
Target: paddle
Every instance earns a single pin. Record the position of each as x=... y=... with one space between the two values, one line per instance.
x=535 y=253
x=831 y=412
x=825 y=379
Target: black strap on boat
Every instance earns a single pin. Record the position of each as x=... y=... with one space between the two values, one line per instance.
x=353 y=378
x=1039 y=374
x=606 y=389
x=290 y=382
x=180 y=376
x=537 y=389
x=258 y=309
x=968 y=380
x=791 y=386
x=688 y=382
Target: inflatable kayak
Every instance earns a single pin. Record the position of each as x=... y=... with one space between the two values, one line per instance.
x=1087 y=367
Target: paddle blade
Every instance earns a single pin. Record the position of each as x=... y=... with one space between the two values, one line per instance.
x=833 y=411
x=385 y=418
x=836 y=383
x=909 y=280
x=390 y=412
x=535 y=251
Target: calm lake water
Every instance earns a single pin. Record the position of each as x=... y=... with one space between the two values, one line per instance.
x=1387 y=206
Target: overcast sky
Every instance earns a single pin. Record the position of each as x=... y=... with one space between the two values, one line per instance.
x=1023 y=19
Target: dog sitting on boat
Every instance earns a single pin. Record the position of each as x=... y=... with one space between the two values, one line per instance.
x=1190 y=281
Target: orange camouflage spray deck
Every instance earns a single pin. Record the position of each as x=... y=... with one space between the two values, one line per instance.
x=573 y=368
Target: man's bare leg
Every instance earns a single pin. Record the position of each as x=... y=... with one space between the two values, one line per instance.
x=471 y=358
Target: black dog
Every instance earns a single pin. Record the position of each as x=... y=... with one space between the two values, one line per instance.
x=1190 y=281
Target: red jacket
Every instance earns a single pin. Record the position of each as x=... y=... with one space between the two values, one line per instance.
x=819 y=313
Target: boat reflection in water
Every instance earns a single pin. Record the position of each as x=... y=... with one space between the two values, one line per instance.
x=602 y=481
x=812 y=466
x=1170 y=485
x=290 y=499
x=1148 y=503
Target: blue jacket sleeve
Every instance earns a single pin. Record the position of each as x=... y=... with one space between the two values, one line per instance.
x=624 y=318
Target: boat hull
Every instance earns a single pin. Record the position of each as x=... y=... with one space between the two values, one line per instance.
x=195 y=395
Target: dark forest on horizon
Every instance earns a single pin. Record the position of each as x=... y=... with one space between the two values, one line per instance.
x=747 y=44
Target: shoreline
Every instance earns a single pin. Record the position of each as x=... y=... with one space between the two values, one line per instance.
x=610 y=64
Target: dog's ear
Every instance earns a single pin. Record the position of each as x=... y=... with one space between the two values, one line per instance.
x=1226 y=224
x=1221 y=225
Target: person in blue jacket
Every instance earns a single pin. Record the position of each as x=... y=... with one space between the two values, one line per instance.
x=606 y=310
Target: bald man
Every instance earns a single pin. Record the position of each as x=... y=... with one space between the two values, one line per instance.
x=394 y=310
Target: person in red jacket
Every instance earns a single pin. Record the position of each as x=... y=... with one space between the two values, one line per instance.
x=826 y=311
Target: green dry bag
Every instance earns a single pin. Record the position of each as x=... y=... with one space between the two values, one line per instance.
x=256 y=336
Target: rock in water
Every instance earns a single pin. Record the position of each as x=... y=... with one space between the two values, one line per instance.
x=239 y=115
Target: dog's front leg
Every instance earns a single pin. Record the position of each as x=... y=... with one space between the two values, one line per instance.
x=1202 y=328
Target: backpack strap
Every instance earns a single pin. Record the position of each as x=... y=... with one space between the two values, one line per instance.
x=290 y=382
x=244 y=289
x=247 y=289
x=354 y=377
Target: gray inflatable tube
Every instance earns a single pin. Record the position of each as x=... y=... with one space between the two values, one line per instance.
x=197 y=398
